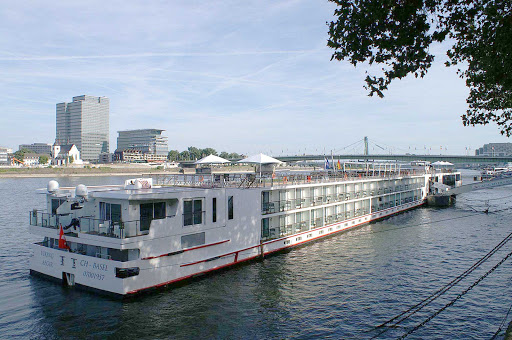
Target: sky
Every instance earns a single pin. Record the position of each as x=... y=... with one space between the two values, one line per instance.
x=237 y=76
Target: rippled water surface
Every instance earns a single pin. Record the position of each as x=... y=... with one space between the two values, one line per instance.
x=338 y=288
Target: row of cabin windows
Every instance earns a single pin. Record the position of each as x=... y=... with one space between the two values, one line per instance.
x=193 y=211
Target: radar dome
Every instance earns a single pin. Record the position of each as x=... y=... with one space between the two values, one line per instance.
x=81 y=190
x=53 y=186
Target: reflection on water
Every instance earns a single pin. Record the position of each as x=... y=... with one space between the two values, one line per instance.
x=336 y=288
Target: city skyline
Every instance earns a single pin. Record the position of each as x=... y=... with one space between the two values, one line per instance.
x=233 y=81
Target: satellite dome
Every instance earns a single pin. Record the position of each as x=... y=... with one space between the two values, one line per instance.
x=81 y=190
x=53 y=186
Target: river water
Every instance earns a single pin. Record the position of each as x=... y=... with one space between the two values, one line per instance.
x=337 y=288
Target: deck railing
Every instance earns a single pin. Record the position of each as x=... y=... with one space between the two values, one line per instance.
x=43 y=219
x=249 y=180
x=90 y=225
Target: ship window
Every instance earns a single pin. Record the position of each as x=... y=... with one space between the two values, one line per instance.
x=159 y=210
x=55 y=204
x=110 y=212
x=264 y=228
x=192 y=240
x=150 y=212
x=214 y=210
x=192 y=212
x=230 y=207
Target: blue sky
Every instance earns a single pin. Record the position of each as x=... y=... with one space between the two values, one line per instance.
x=244 y=76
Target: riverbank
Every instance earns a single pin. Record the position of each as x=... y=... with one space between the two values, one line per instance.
x=115 y=170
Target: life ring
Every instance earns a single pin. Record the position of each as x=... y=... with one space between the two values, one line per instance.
x=273 y=175
x=201 y=179
x=309 y=179
x=285 y=179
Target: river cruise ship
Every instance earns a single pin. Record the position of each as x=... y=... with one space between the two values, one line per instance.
x=153 y=232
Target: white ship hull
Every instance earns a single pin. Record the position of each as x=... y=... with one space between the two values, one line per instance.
x=162 y=260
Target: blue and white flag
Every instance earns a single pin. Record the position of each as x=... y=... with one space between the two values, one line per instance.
x=327 y=165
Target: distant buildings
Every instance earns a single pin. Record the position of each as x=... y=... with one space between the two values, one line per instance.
x=495 y=149
x=32 y=159
x=41 y=148
x=106 y=157
x=84 y=122
x=143 y=145
x=4 y=155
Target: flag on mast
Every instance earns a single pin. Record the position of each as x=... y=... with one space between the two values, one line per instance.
x=62 y=239
x=327 y=166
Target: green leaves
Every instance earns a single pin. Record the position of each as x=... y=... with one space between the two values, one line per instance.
x=397 y=34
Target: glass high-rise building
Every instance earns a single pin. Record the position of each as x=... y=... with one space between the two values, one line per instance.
x=85 y=123
x=146 y=140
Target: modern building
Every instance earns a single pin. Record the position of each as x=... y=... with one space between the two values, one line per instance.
x=106 y=157
x=41 y=148
x=142 y=145
x=84 y=122
x=495 y=150
x=145 y=140
x=4 y=155
x=138 y=156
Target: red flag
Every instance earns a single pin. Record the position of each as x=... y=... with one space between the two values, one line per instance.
x=62 y=240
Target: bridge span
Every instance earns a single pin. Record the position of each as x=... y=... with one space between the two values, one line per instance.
x=456 y=159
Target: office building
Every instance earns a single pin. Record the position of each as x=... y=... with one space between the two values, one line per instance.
x=4 y=155
x=495 y=150
x=145 y=140
x=40 y=148
x=84 y=122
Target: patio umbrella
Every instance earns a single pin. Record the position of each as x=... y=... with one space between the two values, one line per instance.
x=260 y=159
x=212 y=159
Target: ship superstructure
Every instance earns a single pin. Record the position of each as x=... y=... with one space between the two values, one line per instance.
x=152 y=232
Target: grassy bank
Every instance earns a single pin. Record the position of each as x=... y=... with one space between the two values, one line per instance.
x=115 y=170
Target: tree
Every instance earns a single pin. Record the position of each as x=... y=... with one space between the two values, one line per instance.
x=173 y=155
x=195 y=153
x=397 y=34
x=20 y=154
x=43 y=159
x=208 y=152
x=184 y=155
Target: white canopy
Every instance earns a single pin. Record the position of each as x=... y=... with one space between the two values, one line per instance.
x=212 y=159
x=260 y=159
x=442 y=163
